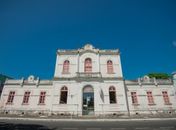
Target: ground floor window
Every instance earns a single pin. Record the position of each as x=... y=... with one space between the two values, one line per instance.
x=112 y=95
x=42 y=98
x=150 y=97
x=134 y=98
x=63 y=95
x=11 y=97
x=26 y=97
x=165 y=97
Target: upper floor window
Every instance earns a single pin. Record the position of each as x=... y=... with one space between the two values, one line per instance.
x=63 y=95
x=88 y=65
x=150 y=97
x=110 y=67
x=26 y=97
x=112 y=95
x=165 y=97
x=134 y=98
x=66 y=65
x=11 y=97
x=42 y=97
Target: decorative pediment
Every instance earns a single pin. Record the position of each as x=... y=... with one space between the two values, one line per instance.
x=88 y=47
x=31 y=78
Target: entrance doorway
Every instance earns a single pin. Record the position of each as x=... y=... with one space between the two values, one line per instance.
x=88 y=100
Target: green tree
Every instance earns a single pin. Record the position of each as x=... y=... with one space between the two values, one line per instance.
x=3 y=78
x=159 y=75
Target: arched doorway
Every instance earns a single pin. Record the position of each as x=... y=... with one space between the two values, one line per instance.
x=88 y=100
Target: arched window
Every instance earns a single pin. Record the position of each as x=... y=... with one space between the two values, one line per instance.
x=112 y=95
x=109 y=67
x=66 y=66
x=63 y=95
x=88 y=65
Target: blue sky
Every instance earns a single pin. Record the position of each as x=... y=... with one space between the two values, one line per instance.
x=31 y=31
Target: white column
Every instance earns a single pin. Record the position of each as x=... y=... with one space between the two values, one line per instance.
x=78 y=63
x=99 y=62
x=174 y=83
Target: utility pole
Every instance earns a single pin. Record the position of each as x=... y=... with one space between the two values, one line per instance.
x=126 y=96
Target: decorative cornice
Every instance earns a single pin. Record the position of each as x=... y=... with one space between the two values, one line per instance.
x=88 y=48
x=150 y=83
x=88 y=79
x=88 y=51
x=109 y=52
x=67 y=52
x=41 y=82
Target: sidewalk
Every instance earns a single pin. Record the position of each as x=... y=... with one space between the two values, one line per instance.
x=83 y=119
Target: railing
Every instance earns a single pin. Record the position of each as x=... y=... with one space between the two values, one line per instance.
x=22 y=81
x=163 y=80
x=150 y=80
x=156 y=81
x=12 y=81
x=91 y=75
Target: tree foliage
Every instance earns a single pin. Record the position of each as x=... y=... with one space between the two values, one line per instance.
x=159 y=75
x=3 y=78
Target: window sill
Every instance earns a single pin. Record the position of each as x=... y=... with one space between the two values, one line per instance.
x=168 y=104
x=135 y=104
x=25 y=104
x=152 y=104
x=8 y=103
x=65 y=72
x=41 y=104
x=113 y=103
x=63 y=103
x=111 y=73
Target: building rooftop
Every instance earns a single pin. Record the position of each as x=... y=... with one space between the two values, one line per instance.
x=88 y=48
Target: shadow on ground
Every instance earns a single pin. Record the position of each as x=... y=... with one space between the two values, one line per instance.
x=11 y=126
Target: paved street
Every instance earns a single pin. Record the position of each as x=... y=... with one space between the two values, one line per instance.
x=87 y=125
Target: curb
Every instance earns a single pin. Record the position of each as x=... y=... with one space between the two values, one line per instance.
x=82 y=120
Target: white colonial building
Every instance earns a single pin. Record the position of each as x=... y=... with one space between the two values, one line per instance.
x=88 y=81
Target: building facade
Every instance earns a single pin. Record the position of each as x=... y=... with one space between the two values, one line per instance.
x=88 y=81
x=2 y=80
